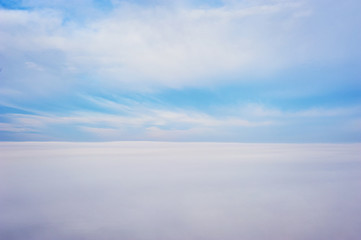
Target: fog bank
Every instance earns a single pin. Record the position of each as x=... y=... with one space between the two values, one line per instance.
x=178 y=191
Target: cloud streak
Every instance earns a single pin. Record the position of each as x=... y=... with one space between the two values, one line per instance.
x=163 y=46
x=164 y=69
x=154 y=123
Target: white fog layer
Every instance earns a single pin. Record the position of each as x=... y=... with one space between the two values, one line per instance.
x=179 y=191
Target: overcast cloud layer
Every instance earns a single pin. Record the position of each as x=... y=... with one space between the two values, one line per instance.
x=177 y=191
x=180 y=70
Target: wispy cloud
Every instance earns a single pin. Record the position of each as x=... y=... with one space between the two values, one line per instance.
x=100 y=68
x=152 y=123
x=141 y=47
x=259 y=110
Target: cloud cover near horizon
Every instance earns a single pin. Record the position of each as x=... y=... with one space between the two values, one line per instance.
x=259 y=71
x=176 y=191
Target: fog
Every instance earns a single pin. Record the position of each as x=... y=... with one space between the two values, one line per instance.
x=179 y=191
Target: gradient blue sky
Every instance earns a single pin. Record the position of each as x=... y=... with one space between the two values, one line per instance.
x=244 y=71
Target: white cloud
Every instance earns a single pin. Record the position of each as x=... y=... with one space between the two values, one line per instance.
x=261 y=111
x=34 y=66
x=142 y=47
x=182 y=47
x=47 y=50
x=137 y=123
x=175 y=191
x=9 y=127
x=146 y=122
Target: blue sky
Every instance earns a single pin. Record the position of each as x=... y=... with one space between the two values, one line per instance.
x=234 y=71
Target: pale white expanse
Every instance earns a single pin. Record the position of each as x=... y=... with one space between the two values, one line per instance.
x=180 y=191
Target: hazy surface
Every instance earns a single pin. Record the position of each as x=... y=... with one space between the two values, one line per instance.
x=182 y=191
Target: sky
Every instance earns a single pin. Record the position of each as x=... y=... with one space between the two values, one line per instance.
x=159 y=70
